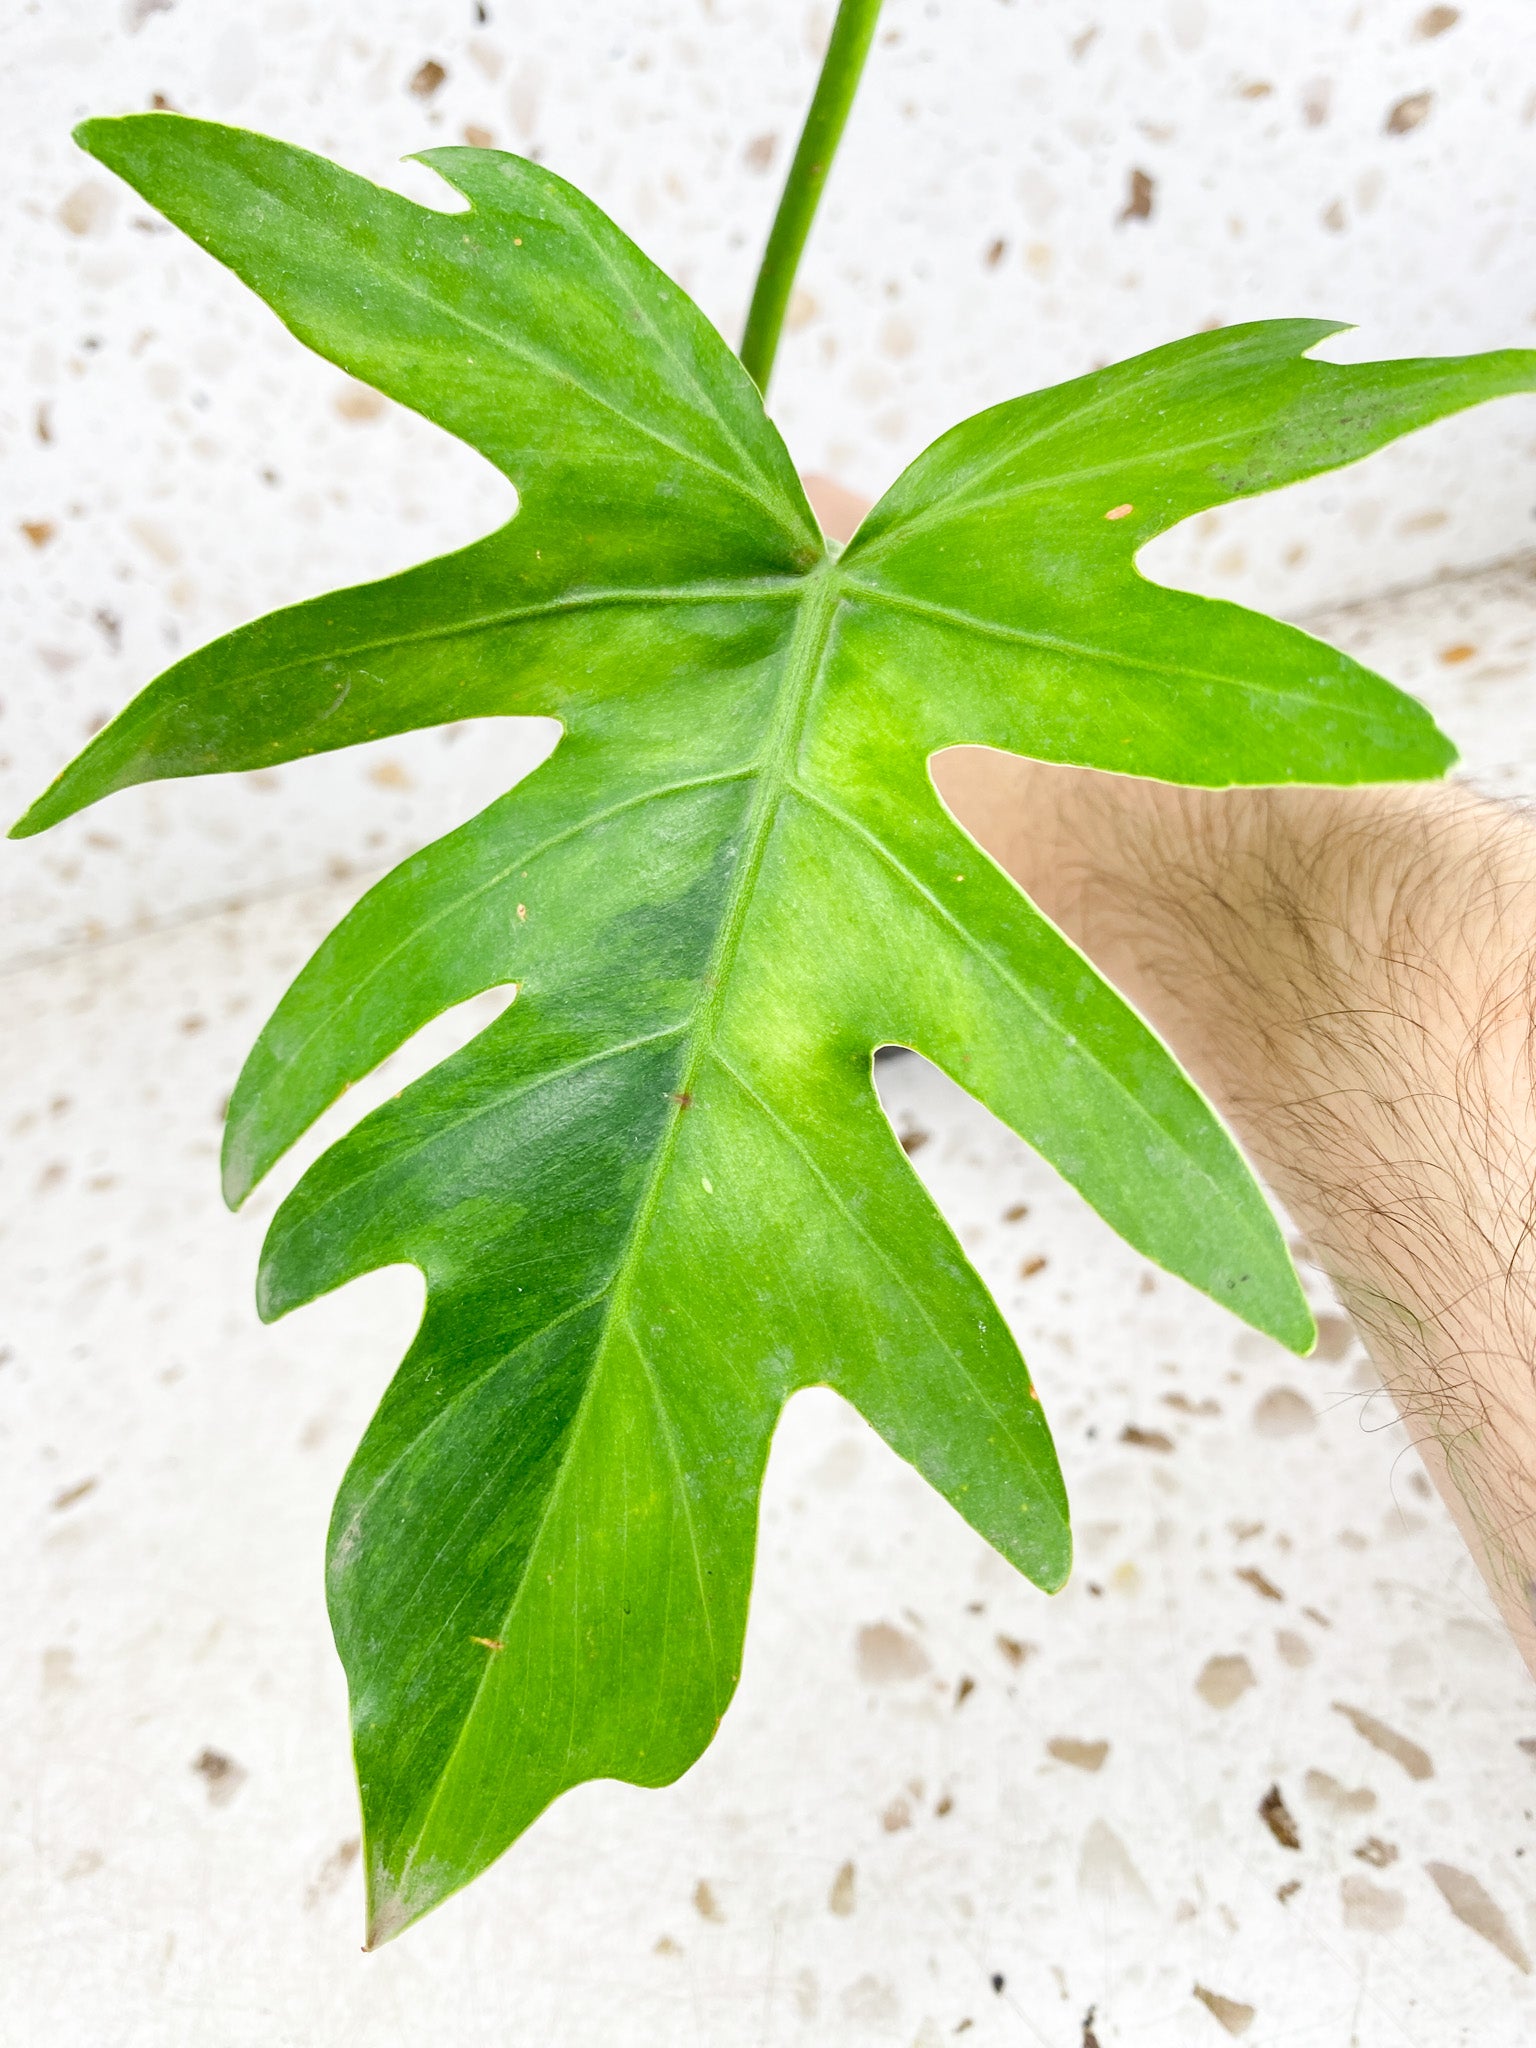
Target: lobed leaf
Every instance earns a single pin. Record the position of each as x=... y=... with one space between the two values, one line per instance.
x=658 y=1195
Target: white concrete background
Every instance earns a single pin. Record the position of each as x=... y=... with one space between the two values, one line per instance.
x=169 y=1464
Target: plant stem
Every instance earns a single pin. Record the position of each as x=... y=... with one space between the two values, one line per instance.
x=839 y=81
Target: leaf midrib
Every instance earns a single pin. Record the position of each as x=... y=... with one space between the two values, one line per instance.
x=803 y=663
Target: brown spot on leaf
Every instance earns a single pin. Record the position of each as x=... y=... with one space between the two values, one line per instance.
x=1415 y=1761
x=1473 y=1907
x=1236 y=2017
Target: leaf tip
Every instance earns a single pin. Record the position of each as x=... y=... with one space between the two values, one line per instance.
x=398 y=1899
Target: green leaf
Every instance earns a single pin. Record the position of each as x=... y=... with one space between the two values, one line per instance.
x=659 y=1194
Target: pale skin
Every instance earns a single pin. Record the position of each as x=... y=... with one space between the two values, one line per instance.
x=1351 y=977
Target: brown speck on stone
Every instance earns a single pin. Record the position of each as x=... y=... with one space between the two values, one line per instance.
x=1370 y=1908
x=39 y=531
x=1146 y=1439
x=1335 y=1334
x=1082 y=1756
x=1255 y=89
x=1236 y=2017
x=1376 y=1852
x=1185 y=1406
x=1473 y=1907
x=964 y=1690
x=1409 y=113
x=705 y=1904
x=913 y=1141
x=886 y=1655
x=68 y=1495
x=944 y=1805
x=1294 y=1650
x=759 y=152
x=1283 y=1412
x=1415 y=1761
x=478 y=137
x=843 y=1896
x=1277 y=1817
x=426 y=79
x=1264 y=1587
x=1028 y=1268
x=1090 y=2038
x=997 y=249
x=1140 y=192
x=220 y=1773
x=1287 y=1891
x=1434 y=21
x=666 y=1946
x=1224 y=1680
x=897 y=1815
x=359 y=404
x=1014 y=1650
x=1316 y=102
x=1016 y=1213
x=1329 y=1792
x=1458 y=652
x=332 y=1871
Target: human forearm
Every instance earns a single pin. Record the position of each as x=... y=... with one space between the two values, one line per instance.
x=1350 y=975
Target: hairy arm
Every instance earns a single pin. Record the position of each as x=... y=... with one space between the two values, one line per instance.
x=1351 y=975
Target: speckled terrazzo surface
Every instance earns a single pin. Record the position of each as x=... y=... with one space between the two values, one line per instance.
x=1267 y=1769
